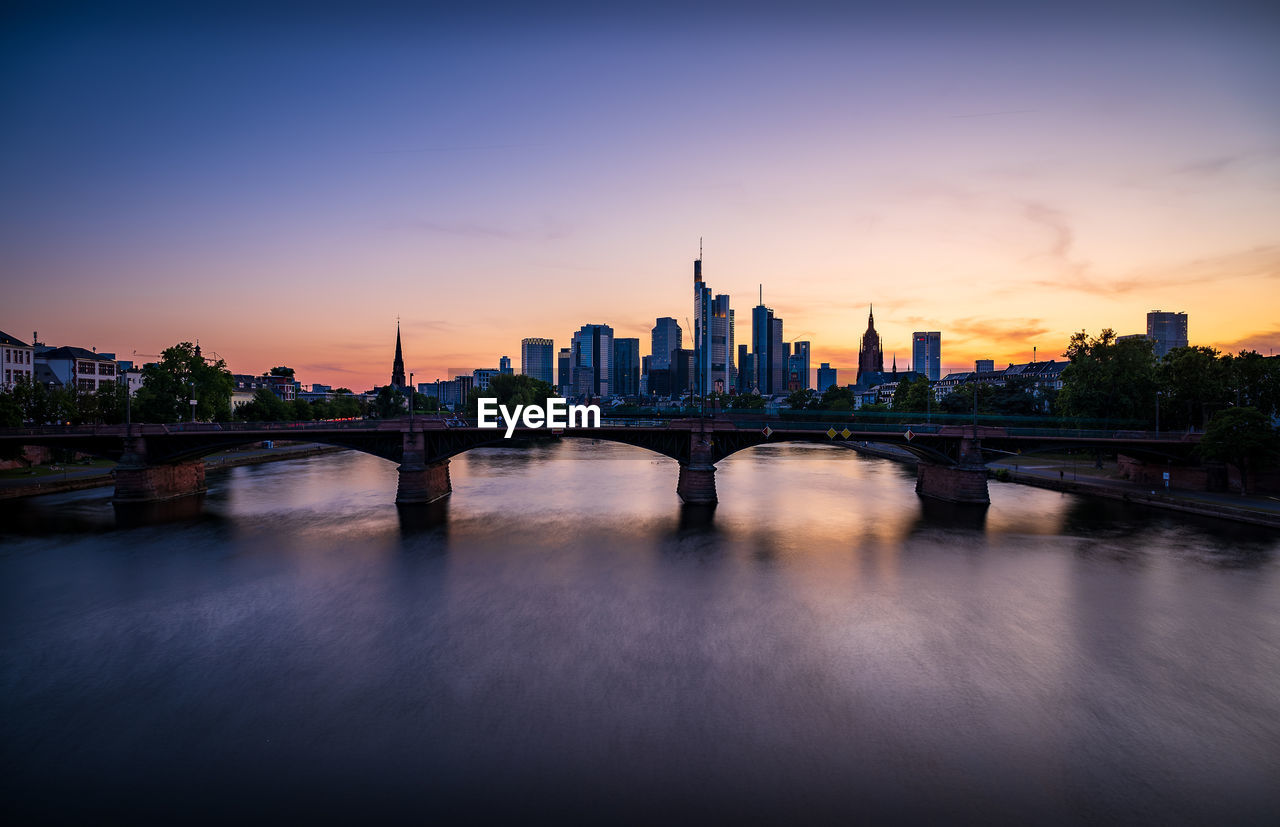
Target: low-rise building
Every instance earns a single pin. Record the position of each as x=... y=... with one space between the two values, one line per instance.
x=17 y=361
x=86 y=370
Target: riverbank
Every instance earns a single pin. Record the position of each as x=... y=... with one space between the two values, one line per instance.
x=74 y=478
x=1080 y=475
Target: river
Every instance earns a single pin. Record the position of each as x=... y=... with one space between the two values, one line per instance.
x=561 y=638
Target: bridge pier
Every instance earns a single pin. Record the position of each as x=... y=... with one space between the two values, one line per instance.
x=153 y=483
x=421 y=481
x=138 y=481
x=953 y=484
x=962 y=483
x=697 y=482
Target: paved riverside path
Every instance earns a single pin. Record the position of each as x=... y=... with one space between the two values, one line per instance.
x=76 y=477
x=1263 y=508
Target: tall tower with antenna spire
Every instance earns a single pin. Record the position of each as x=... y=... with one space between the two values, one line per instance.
x=397 y=366
x=701 y=328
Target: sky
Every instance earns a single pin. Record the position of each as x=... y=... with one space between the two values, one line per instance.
x=282 y=185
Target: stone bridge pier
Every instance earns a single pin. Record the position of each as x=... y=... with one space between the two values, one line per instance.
x=139 y=482
x=965 y=482
x=697 y=483
x=421 y=481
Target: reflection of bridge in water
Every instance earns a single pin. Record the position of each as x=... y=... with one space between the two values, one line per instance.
x=159 y=462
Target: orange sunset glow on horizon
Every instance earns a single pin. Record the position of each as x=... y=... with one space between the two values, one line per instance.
x=285 y=194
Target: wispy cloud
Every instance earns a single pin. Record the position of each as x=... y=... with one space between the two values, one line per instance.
x=1228 y=162
x=1061 y=237
x=996 y=332
x=1266 y=342
x=319 y=368
x=1263 y=262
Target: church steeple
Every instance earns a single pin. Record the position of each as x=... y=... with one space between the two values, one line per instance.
x=397 y=367
x=870 y=350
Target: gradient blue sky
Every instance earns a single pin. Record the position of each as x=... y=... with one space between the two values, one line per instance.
x=283 y=184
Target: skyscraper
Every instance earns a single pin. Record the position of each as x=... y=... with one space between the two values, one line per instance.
x=722 y=367
x=826 y=377
x=779 y=354
x=801 y=352
x=746 y=370
x=504 y=365
x=770 y=358
x=870 y=350
x=397 y=365
x=684 y=367
x=625 y=368
x=701 y=330
x=926 y=353
x=1166 y=331
x=665 y=337
x=537 y=359
x=564 y=371
x=591 y=360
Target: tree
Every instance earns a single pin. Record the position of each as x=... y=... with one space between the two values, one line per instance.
x=512 y=389
x=747 y=402
x=912 y=395
x=320 y=409
x=836 y=398
x=106 y=406
x=1193 y=382
x=33 y=400
x=64 y=405
x=1253 y=380
x=389 y=402
x=168 y=386
x=422 y=402
x=1108 y=379
x=344 y=405
x=10 y=411
x=1018 y=396
x=264 y=407
x=802 y=399
x=299 y=410
x=960 y=399
x=282 y=371
x=1242 y=437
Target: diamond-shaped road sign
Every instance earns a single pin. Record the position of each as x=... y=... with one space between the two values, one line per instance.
x=768 y=432
x=845 y=433
x=831 y=433
x=910 y=435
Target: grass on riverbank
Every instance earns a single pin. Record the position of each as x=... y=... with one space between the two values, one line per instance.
x=56 y=469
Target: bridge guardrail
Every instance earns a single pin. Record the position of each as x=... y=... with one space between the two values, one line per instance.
x=300 y=428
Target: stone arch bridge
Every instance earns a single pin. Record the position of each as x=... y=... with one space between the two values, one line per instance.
x=159 y=462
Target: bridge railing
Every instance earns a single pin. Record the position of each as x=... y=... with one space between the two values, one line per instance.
x=742 y=423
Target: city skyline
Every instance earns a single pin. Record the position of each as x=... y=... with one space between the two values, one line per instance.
x=283 y=194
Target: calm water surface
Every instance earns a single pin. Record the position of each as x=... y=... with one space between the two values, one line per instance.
x=562 y=638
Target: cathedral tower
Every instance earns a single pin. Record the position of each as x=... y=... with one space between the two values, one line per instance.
x=870 y=351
